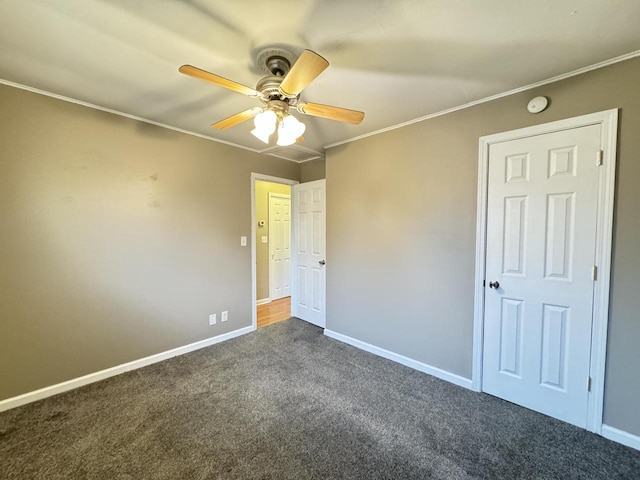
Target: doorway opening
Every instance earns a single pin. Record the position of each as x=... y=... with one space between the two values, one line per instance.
x=271 y=248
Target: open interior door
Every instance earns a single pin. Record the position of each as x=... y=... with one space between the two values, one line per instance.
x=309 y=275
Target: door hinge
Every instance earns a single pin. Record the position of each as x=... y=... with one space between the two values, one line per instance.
x=484 y=283
x=599 y=157
x=594 y=273
x=589 y=384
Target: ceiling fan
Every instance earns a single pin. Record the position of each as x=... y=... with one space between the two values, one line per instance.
x=279 y=91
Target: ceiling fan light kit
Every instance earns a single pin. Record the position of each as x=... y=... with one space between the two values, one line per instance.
x=289 y=127
x=279 y=91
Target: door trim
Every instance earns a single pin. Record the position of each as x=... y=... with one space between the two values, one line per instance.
x=254 y=283
x=608 y=120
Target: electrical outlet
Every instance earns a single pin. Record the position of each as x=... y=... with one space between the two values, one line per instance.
x=212 y=319
x=225 y=316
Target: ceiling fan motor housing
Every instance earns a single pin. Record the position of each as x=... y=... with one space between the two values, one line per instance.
x=269 y=86
x=275 y=61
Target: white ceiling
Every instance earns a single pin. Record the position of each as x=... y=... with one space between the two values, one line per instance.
x=396 y=60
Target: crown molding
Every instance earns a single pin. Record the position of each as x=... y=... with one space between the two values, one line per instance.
x=557 y=78
x=122 y=114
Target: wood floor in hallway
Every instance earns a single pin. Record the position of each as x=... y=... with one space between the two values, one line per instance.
x=273 y=312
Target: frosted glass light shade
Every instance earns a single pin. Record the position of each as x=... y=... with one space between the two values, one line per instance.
x=289 y=131
x=261 y=135
x=265 y=123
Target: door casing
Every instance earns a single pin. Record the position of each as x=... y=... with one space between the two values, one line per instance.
x=606 y=185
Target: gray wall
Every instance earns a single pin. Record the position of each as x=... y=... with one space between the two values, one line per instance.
x=401 y=213
x=314 y=170
x=118 y=239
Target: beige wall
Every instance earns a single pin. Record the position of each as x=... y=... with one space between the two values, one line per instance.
x=118 y=239
x=262 y=249
x=401 y=213
x=314 y=170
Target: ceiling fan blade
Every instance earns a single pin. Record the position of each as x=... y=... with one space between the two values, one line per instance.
x=196 y=72
x=308 y=66
x=332 y=113
x=234 y=120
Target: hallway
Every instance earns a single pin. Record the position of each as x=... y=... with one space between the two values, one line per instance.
x=273 y=312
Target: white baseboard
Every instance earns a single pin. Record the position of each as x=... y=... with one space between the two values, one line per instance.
x=620 y=436
x=262 y=301
x=406 y=361
x=117 y=370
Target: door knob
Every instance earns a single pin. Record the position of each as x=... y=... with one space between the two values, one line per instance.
x=322 y=262
x=495 y=284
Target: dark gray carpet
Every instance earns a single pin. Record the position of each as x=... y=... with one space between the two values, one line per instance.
x=287 y=402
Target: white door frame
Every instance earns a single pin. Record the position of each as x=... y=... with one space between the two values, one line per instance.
x=606 y=184
x=255 y=177
x=287 y=196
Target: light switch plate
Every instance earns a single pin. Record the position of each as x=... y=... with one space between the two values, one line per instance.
x=265 y=239
x=243 y=241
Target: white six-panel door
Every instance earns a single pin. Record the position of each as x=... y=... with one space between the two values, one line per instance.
x=308 y=295
x=279 y=245
x=541 y=237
